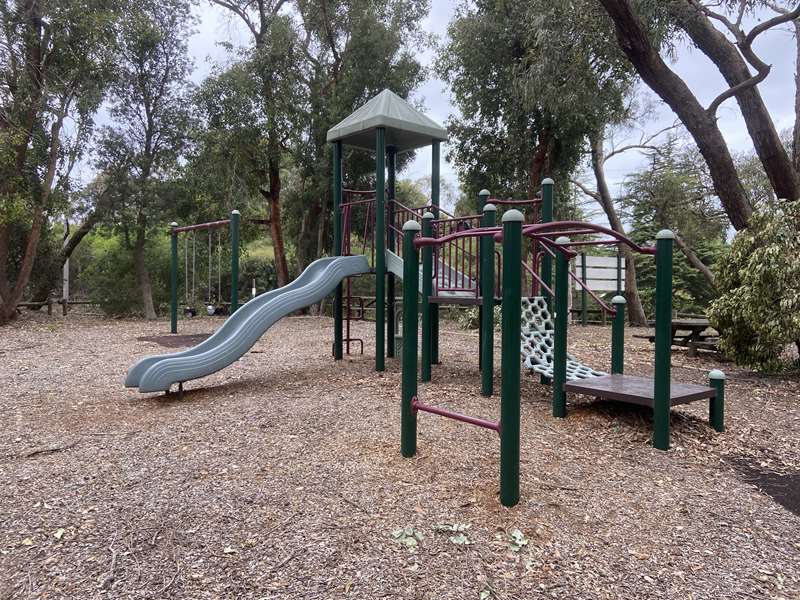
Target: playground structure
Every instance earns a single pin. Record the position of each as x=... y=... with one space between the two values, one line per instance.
x=460 y=264
x=190 y=284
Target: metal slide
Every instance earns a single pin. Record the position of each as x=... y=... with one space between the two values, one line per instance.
x=446 y=274
x=244 y=328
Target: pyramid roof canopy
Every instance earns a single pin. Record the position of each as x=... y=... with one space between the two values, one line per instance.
x=406 y=127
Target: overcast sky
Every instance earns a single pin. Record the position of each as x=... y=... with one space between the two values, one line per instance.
x=776 y=47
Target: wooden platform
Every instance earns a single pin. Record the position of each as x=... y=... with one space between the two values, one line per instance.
x=636 y=390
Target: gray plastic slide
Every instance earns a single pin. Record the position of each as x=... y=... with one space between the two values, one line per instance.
x=244 y=327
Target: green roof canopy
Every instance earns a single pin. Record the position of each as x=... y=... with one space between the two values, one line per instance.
x=406 y=127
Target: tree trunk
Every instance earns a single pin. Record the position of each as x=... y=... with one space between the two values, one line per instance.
x=695 y=261
x=725 y=56
x=142 y=273
x=274 y=196
x=634 y=42
x=796 y=131
x=538 y=160
x=636 y=316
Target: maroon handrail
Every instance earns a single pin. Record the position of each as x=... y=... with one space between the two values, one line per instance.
x=416 y=405
x=209 y=225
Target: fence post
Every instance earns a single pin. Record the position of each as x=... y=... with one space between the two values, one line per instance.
x=510 y=362
x=547 y=217
x=235 y=218
x=716 y=405
x=337 y=248
x=427 y=290
x=173 y=279
x=560 y=332
x=408 y=416
x=618 y=335
x=663 y=342
x=489 y=219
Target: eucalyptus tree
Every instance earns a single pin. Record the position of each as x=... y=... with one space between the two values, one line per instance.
x=718 y=30
x=140 y=151
x=54 y=67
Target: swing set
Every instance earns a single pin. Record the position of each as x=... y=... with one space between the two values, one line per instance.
x=214 y=305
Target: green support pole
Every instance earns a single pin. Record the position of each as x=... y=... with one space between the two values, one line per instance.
x=337 y=248
x=235 y=219
x=584 y=308
x=487 y=294
x=716 y=405
x=618 y=336
x=663 y=343
x=173 y=279
x=391 y=164
x=560 y=333
x=435 y=171
x=408 y=416
x=427 y=290
x=380 y=248
x=483 y=197
x=547 y=217
x=509 y=360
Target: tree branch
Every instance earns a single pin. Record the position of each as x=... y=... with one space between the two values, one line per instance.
x=592 y=194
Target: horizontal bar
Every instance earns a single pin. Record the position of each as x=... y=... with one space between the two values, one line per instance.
x=209 y=225
x=511 y=202
x=417 y=405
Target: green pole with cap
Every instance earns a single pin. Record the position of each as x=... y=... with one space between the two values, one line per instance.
x=547 y=217
x=427 y=290
x=380 y=248
x=716 y=405
x=560 y=332
x=663 y=339
x=510 y=362
x=173 y=279
x=408 y=416
x=618 y=335
x=235 y=219
x=489 y=219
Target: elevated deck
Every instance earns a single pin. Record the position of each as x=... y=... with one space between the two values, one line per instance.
x=636 y=390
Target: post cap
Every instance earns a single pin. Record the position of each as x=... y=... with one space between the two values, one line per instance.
x=427 y=215
x=411 y=226
x=235 y=212
x=490 y=207
x=513 y=216
x=547 y=181
x=484 y=192
x=173 y=224
x=618 y=300
x=665 y=234
x=562 y=240
x=716 y=374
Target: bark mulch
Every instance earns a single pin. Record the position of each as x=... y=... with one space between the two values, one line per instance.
x=281 y=477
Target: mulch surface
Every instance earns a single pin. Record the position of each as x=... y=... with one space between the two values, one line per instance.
x=175 y=341
x=281 y=477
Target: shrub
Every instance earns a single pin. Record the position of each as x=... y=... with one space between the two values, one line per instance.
x=758 y=310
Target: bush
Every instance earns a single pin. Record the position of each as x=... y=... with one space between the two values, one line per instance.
x=758 y=310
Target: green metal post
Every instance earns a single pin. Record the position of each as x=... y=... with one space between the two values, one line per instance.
x=560 y=333
x=547 y=217
x=435 y=172
x=173 y=279
x=337 y=248
x=235 y=219
x=716 y=405
x=663 y=343
x=408 y=416
x=487 y=294
x=618 y=336
x=380 y=248
x=509 y=360
x=391 y=156
x=483 y=197
x=427 y=290
x=584 y=308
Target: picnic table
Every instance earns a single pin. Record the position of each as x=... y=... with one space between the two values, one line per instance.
x=691 y=333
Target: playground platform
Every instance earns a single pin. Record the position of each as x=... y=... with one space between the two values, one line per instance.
x=637 y=390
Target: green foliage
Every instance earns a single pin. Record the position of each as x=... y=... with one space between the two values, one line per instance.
x=758 y=310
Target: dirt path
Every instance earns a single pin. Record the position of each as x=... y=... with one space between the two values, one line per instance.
x=281 y=477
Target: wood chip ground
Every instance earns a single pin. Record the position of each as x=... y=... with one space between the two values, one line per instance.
x=281 y=477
